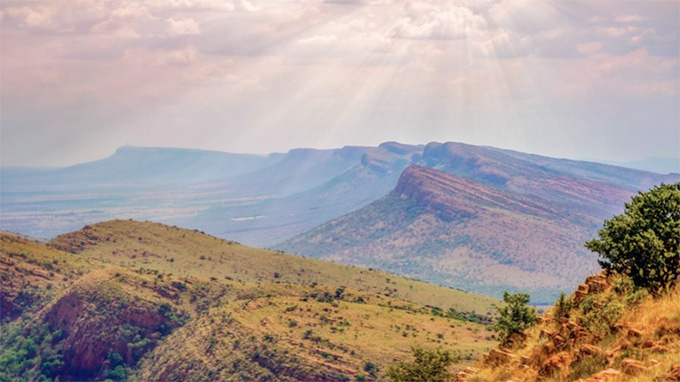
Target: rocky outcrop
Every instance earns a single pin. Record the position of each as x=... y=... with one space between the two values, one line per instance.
x=100 y=317
x=594 y=284
x=554 y=364
x=609 y=375
x=632 y=366
x=673 y=375
x=497 y=357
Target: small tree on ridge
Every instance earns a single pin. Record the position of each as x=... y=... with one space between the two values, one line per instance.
x=515 y=317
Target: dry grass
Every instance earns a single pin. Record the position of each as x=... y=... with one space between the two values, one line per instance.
x=248 y=314
x=340 y=336
x=647 y=331
x=192 y=253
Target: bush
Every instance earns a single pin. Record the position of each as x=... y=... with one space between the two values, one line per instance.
x=515 y=317
x=643 y=242
x=428 y=366
x=562 y=307
x=370 y=368
x=586 y=366
x=600 y=321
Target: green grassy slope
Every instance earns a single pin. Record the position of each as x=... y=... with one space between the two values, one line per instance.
x=120 y=309
x=185 y=252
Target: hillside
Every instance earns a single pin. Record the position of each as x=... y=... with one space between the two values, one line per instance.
x=128 y=300
x=32 y=274
x=463 y=233
x=607 y=331
x=186 y=252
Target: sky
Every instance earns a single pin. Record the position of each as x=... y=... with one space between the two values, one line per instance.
x=595 y=79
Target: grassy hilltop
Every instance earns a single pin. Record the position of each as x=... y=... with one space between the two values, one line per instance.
x=126 y=300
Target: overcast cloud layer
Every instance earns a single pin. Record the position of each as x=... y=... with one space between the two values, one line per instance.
x=595 y=79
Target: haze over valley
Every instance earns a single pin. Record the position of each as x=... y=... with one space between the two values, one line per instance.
x=465 y=216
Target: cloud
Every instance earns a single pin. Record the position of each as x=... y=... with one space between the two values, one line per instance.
x=31 y=17
x=319 y=40
x=363 y=65
x=222 y=5
x=589 y=47
x=433 y=22
x=180 y=57
x=630 y=19
x=615 y=32
x=183 y=27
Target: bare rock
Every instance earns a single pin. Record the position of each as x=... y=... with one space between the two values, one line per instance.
x=581 y=293
x=605 y=376
x=545 y=333
x=673 y=375
x=462 y=376
x=589 y=350
x=497 y=357
x=634 y=333
x=632 y=366
x=554 y=364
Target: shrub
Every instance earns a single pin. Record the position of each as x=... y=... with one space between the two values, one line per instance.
x=601 y=321
x=428 y=366
x=562 y=307
x=643 y=242
x=514 y=317
x=586 y=366
x=370 y=368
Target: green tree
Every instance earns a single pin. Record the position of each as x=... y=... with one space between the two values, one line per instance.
x=642 y=242
x=428 y=366
x=562 y=307
x=514 y=317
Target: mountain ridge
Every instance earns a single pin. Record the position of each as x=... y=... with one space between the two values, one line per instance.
x=263 y=200
x=460 y=232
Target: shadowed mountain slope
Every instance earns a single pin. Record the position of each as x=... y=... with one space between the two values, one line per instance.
x=460 y=232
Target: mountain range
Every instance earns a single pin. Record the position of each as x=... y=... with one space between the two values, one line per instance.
x=469 y=216
x=459 y=232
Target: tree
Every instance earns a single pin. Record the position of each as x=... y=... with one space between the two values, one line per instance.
x=428 y=366
x=514 y=317
x=562 y=307
x=642 y=242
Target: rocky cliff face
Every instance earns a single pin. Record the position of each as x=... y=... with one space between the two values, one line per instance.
x=454 y=196
x=107 y=312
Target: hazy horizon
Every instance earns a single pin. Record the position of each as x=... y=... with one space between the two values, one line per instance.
x=661 y=165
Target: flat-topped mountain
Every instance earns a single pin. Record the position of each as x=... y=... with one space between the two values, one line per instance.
x=132 y=168
x=593 y=188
